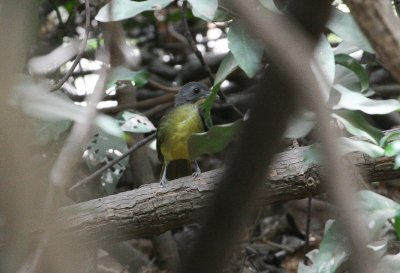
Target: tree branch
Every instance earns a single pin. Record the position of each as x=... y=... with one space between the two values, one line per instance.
x=152 y=210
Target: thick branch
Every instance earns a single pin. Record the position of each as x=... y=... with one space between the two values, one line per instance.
x=153 y=210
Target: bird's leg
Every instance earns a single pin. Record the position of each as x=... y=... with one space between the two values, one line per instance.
x=197 y=172
x=164 y=180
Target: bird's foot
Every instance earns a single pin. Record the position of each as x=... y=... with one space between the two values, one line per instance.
x=163 y=182
x=196 y=174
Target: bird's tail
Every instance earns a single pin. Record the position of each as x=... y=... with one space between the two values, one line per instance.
x=179 y=168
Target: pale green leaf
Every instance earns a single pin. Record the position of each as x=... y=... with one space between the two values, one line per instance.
x=355 y=101
x=204 y=9
x=124 y=9
x=246 y=50
x=343 y=25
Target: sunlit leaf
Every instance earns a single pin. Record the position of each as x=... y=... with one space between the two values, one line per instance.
x=384 y=140
x=355 y=101
x=393 y=148
x=215 y=140
x=343 y=25
x=124 y=9
x=352 y=64
x=102 y=149
x=246 y=50
x=204 y=9
x=357 y=125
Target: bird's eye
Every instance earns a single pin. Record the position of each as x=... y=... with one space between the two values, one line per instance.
x=196 y=90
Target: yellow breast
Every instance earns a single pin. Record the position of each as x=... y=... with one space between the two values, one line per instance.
x=175 y=129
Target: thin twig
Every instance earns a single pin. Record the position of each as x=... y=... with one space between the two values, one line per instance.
x=192 y=43
x=308 y=226
x=113 y=162
x=168 y=89
x=81 y=50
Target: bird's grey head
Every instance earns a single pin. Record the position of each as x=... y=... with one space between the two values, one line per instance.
x=192 y=92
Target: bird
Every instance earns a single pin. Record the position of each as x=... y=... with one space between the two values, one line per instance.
x=175 y=129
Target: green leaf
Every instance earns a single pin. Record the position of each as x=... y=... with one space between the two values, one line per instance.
x=324 y=56
x=270 y=5
x=389 y=264
x=396 y=162
x=313 y=154
x=355 y=101
x=348 y=145
x=209 y=103
x=352 y=64
x=215 y=140
x=227 y=66
x=397 y=224
x=343 y=25
x=377 y=209
x=48 y=131
x=393 y=148
x=135 y=123
x=102 y=149
x=139 y=78
x=333 y=252
x=246 y=50
x=357 y=125
x=388 y=137
x=108 y=125
x=124 y=9
x=300 y=125
x=204 y=9
x=36 y=101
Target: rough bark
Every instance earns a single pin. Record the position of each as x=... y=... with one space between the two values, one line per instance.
x=152 y=210
x=380 y=25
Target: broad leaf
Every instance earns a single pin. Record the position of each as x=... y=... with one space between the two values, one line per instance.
x=102 y=149
x=343 y=25
x=300 y=125
x=246 y=50
x=352 y=64
x=384 y=140
x=139 y=78
x=393 y=148
x=124 y=9
x=204 y=9
x=48 y=131
x=227 y=66
x=36 y=101
x=389 y=264
x=325 y=58
x=377 y=209
x=357 y=125
x=135 y=123
x=215 y=140
x=348 y=145
x=355 y=101
x=333 y=252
